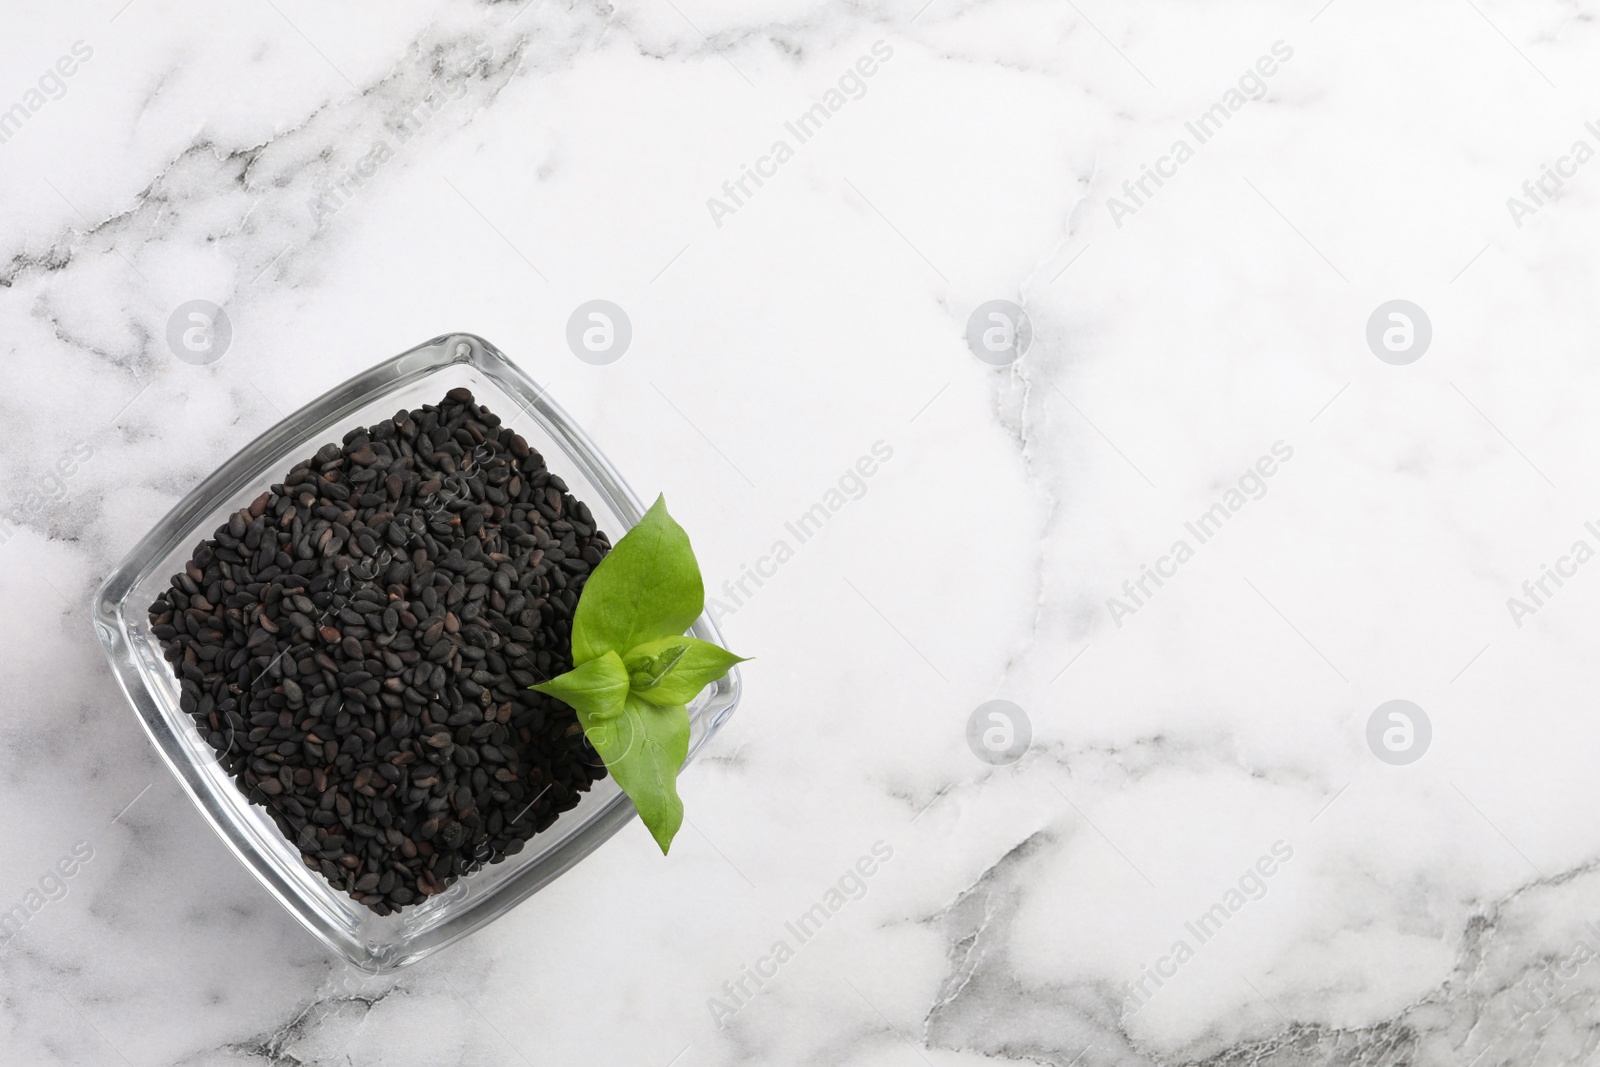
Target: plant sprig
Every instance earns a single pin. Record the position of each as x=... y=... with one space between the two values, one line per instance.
x=634 y=672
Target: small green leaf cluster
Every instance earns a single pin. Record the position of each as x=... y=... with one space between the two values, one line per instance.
x=634 y=672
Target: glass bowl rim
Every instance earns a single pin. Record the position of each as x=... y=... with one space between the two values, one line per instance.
x=111 y=606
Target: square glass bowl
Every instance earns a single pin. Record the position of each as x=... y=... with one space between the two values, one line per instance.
x=423 y=375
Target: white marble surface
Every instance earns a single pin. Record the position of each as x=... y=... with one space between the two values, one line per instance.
x=1422 y=904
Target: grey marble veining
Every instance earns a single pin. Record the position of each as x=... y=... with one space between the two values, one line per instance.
x=347 y=183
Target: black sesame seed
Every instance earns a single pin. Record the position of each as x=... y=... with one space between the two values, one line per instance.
x=355 y=645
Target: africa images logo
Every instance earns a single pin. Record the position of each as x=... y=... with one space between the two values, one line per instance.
x=51 y=85
x=851 y=85
x=1252 y=85
x=1252 y=485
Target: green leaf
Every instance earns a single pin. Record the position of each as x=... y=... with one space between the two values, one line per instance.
x=648 y=587
x=644 y=748
x=635 y=671
x=596 y=690
x=673 y=670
